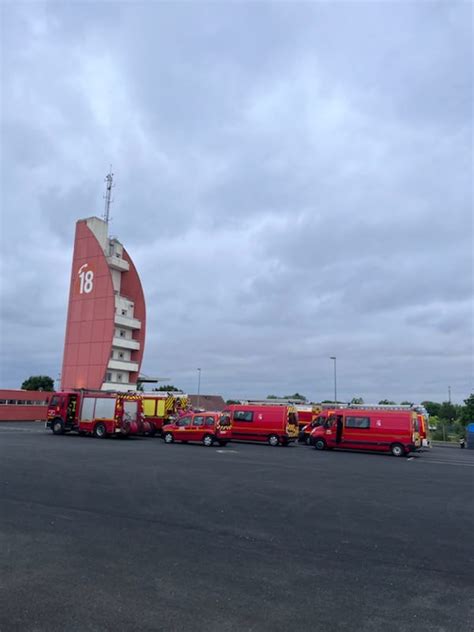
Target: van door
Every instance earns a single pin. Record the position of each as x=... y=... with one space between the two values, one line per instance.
x=292 y=423
x=183 y=429
x=197 y=428
x=339 y=429
x=243 y=426
x=357 y=432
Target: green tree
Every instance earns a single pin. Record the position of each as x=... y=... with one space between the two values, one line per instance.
x=357 y=400
x=447 y=411
x=232 y=401
x=272 y=397
x=38 y=383
x=386 y=402
x=168 y=387
x=296 y=396
x=467 y=411
x=432 y=408
x=406 y=403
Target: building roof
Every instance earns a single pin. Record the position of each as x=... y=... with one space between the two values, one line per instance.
x=208 y=402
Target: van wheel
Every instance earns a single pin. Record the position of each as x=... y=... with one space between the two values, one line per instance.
x=168 y=437
x=57 y=426
x=397 y=449
x=273 y=440
x=100 y=431
x=207 y=441
x=320 y=444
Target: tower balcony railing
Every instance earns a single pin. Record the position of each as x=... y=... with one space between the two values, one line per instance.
x=122 y=365
x=126 y=343
x=125 y=321
x=118 y=263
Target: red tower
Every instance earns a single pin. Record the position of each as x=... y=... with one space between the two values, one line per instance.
x=105 y=330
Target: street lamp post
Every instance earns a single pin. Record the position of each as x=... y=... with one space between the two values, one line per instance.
x=199 y=387
x=335 y=379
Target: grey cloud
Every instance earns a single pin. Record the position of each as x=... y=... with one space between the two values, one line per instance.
x=293 y=181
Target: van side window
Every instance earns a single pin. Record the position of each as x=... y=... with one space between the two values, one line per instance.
x=358 y=422
x=198 y=421
x=243 y=415
x=209 y=421
x=54 y=400
x=184 y=421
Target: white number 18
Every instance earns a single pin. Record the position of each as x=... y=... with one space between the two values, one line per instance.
x=87 y=280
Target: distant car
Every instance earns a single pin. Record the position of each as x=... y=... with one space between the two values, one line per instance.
x=206 y=427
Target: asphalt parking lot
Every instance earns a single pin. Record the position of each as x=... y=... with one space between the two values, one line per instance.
x=139 y=535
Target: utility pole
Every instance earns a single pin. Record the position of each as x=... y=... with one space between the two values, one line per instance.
x=109 y=180
x=449 y=394
x=199 y=387
x=335 y=379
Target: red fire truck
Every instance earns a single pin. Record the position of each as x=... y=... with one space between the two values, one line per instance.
x=100 y=413
x=371 y=428
x=272 y=424
x=159 y=408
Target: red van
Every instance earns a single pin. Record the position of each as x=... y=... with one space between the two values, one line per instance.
x=272 y=424
x=394 y=431
x=206 y=427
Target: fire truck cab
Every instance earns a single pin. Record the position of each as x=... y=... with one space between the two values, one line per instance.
x=99 y=413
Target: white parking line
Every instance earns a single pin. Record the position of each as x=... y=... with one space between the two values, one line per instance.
x=21 y=430
x=457 y=463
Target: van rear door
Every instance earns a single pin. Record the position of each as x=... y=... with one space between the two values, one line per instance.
x=292 y=422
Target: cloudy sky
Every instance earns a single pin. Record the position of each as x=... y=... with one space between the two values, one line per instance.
x=293 y=181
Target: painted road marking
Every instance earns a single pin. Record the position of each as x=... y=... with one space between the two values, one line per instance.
x=227 y=451
x=457 y=463
x=20 y=430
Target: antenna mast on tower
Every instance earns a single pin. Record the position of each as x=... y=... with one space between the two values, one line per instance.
x=109 y=179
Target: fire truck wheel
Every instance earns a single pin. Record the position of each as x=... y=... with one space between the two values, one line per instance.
x=57 y=426
x=207 y=441
x=168 y=437
x=320 y=444
x=100 y=431
x=397 y=449
x=273 y=440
